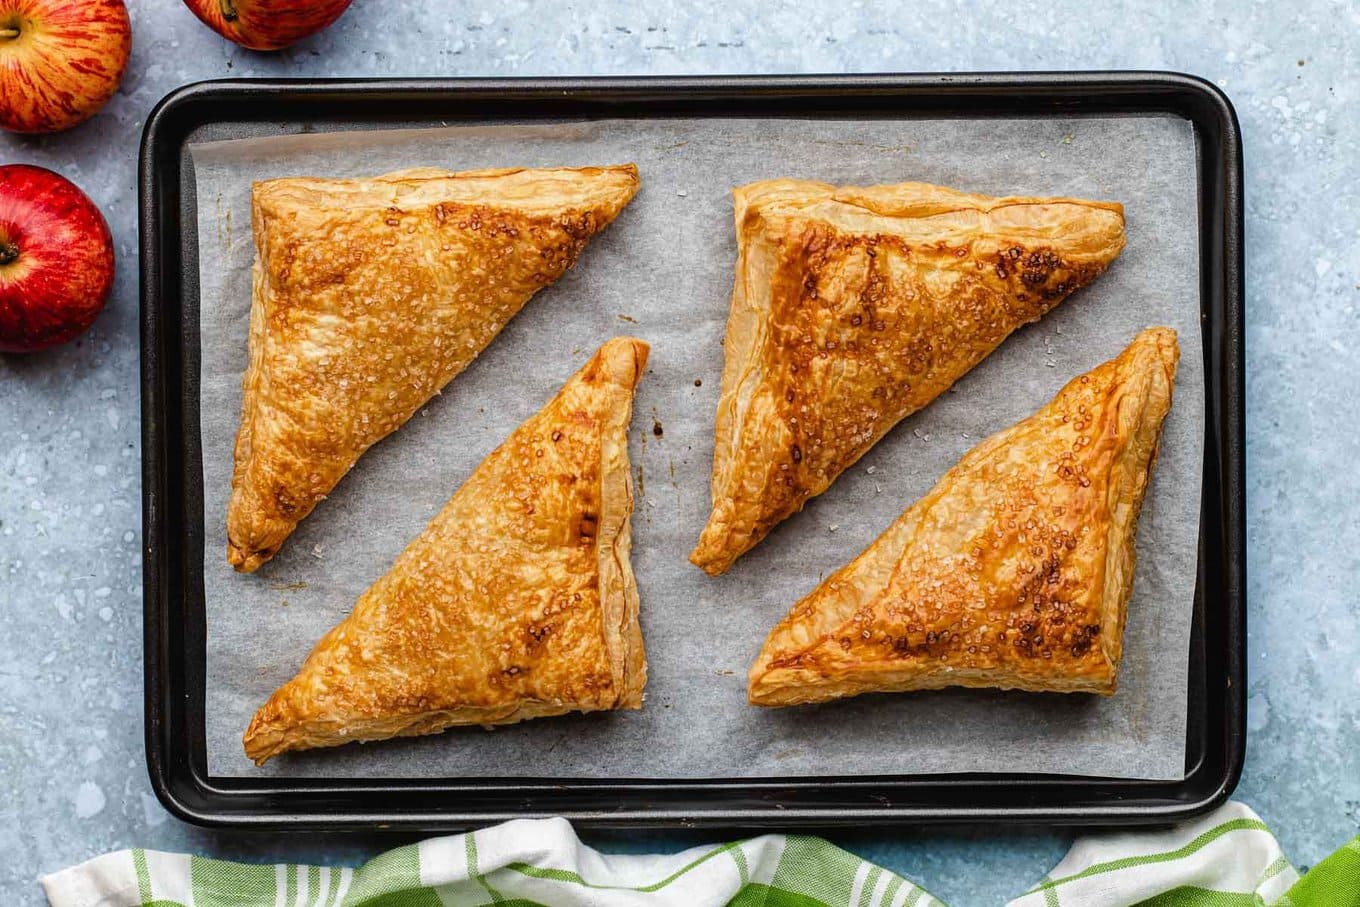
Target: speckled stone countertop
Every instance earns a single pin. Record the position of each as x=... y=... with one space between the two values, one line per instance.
x=72 y=779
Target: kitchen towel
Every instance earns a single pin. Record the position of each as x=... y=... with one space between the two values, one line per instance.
x=1224 y=859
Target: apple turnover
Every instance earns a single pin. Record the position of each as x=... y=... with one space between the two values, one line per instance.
x=517 y=601
x=369 y=296
x=1014 y=571
x=855 y=307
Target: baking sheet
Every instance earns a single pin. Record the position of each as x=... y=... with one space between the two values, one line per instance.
x=663 y=272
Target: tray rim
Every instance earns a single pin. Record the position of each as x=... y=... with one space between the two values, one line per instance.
x=189 y=793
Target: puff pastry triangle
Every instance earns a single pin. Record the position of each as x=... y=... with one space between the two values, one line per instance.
x=517 y=601
x=369 y=296
x=1014 y=571
x=855 y=307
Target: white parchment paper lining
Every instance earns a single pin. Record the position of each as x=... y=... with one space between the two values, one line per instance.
x=663 y=272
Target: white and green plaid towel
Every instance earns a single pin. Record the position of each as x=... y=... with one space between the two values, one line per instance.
x=1225 y=859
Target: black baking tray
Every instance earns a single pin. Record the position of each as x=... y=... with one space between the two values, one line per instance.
x=172 y=491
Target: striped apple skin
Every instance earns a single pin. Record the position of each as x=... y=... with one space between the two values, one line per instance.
x=56 y=259
x=64 y=63
x=267 y=24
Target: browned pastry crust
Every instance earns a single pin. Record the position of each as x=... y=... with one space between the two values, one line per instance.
x=855 y=307
x=517 y=601
x=1013 y=572
x=369 y=296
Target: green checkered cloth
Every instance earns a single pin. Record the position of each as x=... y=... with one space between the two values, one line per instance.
x=1226 y=859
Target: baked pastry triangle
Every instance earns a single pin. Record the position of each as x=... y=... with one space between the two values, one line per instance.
x=369 y=296
x=853 y=308
x=1013 y=572
x=517 y=601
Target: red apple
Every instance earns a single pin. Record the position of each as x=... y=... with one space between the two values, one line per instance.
x=56 y=259
x=267 y=24
x=60 y=60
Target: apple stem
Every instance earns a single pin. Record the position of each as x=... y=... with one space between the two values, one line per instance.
x=9 y=32
x=228 y=8
x=8 y=253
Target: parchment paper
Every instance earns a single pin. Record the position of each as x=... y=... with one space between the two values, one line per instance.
x=663 y=272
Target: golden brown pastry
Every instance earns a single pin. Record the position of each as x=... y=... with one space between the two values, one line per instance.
x=517 y=601
x=369 y=296
x=1013 y=572
x=853 y=308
